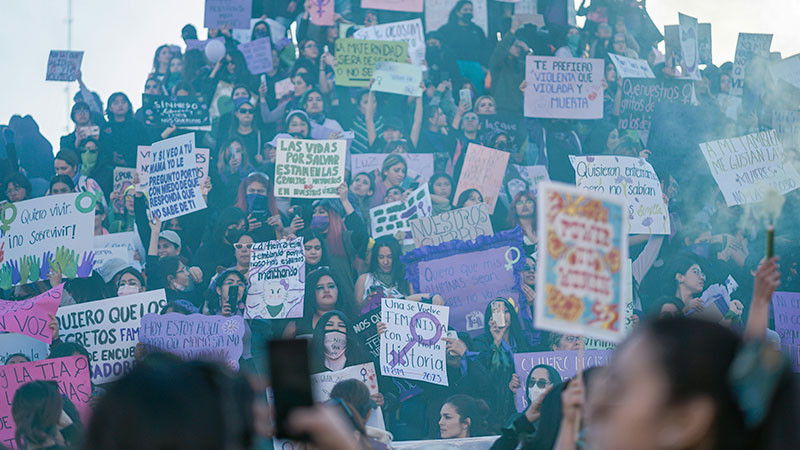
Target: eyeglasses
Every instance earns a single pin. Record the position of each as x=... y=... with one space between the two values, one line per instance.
x=697 y=271
x=239 y=246
x=245 y=111
x=541 y=383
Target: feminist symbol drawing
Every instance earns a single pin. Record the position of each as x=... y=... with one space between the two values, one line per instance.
x=511 y=260
x=400 y=357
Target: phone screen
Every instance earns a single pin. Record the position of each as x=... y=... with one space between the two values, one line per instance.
x=233 y=299
x=291 y=382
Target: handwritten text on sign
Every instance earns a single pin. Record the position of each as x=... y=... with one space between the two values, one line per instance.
x=389 y=218
x=356 y=59
x=195 y=336
x=63 y=65
x=277 y=280
x=410 y=31
x=173 y=189
x=411 y=347
x=632 y=178
x=309 y=168
x=746 y=167
x=109 y=330
x=31 y=316
x=71 y=373
x=580 y=275
x=483 y=170
x=234 y=13
x=786 y=307
x=563 y=88
x=464 y=224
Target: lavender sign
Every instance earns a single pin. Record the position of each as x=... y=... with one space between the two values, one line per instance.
x=470 y=274
x=786 y=307
x=195 y=336
x=277 y=280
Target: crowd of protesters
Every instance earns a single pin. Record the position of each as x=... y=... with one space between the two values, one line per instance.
x=670 y=383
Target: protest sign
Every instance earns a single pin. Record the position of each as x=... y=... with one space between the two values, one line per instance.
x=123 y=177
x=322 y=384
x=129 y=241
x=533 y=175
x=44 y=231
x=71 y=373
x=640 y=97
x=513 y=126
x=321 y=12
x=687 y=30
x=566 y=362
x=394 y=5
x=366 y=328
x=195 y=336
x=196 y=44
x=143 y=167
x=438 y=11
x=389 y=218
x=672 y=42
x=520 y=20
x=234 y=13
x=483 y=170
x=563 y=88
x=63 y=65
x=747 y=167
x=186 y=111
x=283 y=88
x=630 y=67
x=410 y=31
x=31 y=317
x=109 y=330
x=456 y=269
x=12 y=343
x=356 y=59
x=417 y=163
x=104 y=255
x=411 y=347
x=580 y=277
x=631 y=178
x=787 y=70
x=464 y=224
x=276 y=279
x=258 y=55
x=277 y=31
x=747 y=46
x=309 y=168
x=397 y=78
x=172 y=189
x=787 y=125
x=202 y=156
x=786 y=308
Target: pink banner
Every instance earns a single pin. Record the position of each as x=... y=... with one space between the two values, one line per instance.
x=483 y=170
x=71 y=373
x=394 y=5
x=321 y=12
x=31 y=316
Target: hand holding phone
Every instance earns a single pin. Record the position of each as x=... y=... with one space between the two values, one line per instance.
x=291 y=383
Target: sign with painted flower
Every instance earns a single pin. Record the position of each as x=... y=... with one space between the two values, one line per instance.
x=580 y=276
x=629 y=177
x=277 y=280
x=195 y=336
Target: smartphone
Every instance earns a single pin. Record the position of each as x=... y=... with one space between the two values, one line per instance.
x=452 y=334
x=297 y=211
x=291 y=382
x=498 y=314
x=465 y=96
x=233 y=299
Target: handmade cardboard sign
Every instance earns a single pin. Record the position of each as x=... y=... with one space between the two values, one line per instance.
x=277 y=280
x=31 y=317
x=563 y=88
x=309 y=168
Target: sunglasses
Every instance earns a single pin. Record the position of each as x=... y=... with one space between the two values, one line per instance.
x=245 y=111
x=239 y=246
x=541 y=383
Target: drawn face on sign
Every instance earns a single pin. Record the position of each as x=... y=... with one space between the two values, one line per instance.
x=275 y=297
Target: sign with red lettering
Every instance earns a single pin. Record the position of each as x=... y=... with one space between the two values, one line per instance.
x=580 y=275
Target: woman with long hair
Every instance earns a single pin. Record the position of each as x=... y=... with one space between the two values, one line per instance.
x=122 y=134
x=325 y=292
x=335 y=344
x=523 y=214
x=256 y=198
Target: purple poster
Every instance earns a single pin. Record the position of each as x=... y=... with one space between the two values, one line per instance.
x=468 y=275
x=195 y=336
x=786 y=307
x=257 y=55
x=566 y=363
x=234 y=13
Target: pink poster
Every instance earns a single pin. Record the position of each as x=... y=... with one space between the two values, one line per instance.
x=483 y=170
x=31 y=316
x=321 y=12
x=71 y=373
x=394 y=5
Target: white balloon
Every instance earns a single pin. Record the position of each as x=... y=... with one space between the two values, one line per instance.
x=215 y=50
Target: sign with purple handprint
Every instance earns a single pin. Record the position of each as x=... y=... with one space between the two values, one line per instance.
x=277 y=280
x=47 y=233
x=631 y=178
x=390 y=218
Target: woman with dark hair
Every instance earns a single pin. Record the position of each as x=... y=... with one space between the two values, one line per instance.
x=523 y=214
x=362 y=186
x=345 y=233
x=436 y=136
x=298 y=124
x=161 y=64
x=122 y=134
x=66 y=163
x=687 y=280
x=81 y=116
x=335 y=344
x=666 y=306
x=603 y=140
x=469 y=197
x=232 y=167
x=322 y=126
x=61 y=184
x=393 y=173
x=316 y=251
x=386 y=278
x=442 y=189
x=127 y=281
x=16 y=358
x=541 y=378
x=257 y=199
x=17 y=187
x=462 y=416
x=40 y=417
x=217 y=414
x=231 y=69
x=682 y=383
x=91 y=168
x=302 y=82
x=244 y=128
x=216 y=249
x=324 y=293
x=462 y=36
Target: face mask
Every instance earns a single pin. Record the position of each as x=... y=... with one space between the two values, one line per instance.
x=467 y=17
x=88 y=161
x=320 y=223
x=534 y=393
x=256 y=202
x=127 y=289
x=261 y=33
x=335 y=345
